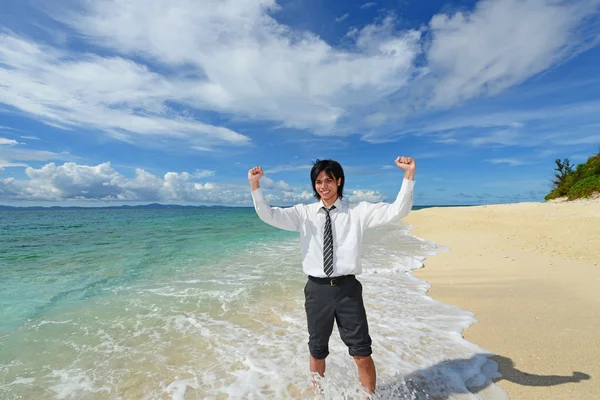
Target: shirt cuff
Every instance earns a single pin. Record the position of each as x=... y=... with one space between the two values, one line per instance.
x=258 y=195
x=407 y=185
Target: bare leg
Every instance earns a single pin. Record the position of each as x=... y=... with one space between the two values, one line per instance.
x=317 y=365
x=366 y=372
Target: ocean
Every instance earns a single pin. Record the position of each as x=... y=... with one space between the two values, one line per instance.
x=207 y=303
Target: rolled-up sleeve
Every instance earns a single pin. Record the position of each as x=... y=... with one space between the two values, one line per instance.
x=381 y=213
x=283 y=218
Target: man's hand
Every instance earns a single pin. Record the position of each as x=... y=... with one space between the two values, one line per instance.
x=254 y=175
x=408 y=165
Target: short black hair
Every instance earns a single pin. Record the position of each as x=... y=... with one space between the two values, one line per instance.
x=332 y=169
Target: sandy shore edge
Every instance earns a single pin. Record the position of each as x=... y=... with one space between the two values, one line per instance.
x=530 y=272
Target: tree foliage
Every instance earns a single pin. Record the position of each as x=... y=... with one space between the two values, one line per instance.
x=562 y=170
x=576 y=182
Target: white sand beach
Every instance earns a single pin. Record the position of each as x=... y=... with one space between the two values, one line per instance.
x=530 y=272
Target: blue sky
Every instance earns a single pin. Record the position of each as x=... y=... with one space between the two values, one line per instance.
x=139 y=101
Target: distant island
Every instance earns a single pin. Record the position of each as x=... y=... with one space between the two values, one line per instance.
x=576 y=183
x=142 y=206
x=158 y=206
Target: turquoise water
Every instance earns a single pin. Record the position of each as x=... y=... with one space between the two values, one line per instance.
x=52 y=258
x=206 y=304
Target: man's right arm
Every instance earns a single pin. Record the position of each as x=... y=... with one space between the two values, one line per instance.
x=282 y=218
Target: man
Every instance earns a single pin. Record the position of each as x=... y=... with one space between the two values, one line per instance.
x=331 y=236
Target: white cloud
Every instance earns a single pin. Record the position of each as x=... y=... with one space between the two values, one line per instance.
x=368 y=5
x=113 y=94
x=365 y=195
x=202 y=173
x=8 y=128
x=247 y=63
x=298 y=197
x=6 y=163
x=513 y=162
x=446 y=140
x=268 y=183
x=9 y=188
x=517 y=127
x=173 y=61
x=7 y=142
x=501 y=43
x=342 y=17
x=72 y=181
x=11 y=154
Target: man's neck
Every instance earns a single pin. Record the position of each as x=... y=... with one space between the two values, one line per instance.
x=329 y=204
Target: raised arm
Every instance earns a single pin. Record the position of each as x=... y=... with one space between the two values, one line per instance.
x=382 y=213
x=282 y=218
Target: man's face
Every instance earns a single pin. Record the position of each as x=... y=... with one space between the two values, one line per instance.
x=327 y=187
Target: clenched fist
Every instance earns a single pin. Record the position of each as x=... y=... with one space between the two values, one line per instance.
x=405 y=163
x=408 y=165
x=255 y=174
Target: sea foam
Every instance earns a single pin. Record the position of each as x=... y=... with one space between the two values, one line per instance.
x=235 y=327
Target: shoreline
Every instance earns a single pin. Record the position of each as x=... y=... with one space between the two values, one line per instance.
x=530 y=273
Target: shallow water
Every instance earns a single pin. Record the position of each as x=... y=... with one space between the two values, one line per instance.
x=194 y=304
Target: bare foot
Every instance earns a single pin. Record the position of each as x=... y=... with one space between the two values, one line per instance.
x=315 y=383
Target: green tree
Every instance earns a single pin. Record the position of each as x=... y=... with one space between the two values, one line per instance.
x=576 y=182
x=563 y=170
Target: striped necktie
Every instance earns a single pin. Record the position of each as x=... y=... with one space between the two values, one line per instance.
x=328 y=244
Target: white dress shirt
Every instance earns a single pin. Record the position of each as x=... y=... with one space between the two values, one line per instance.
x=348 y=222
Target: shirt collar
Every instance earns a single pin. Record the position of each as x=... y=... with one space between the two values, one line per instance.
x=337 y=204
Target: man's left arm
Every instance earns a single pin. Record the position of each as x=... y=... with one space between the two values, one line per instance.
x=382 y=213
